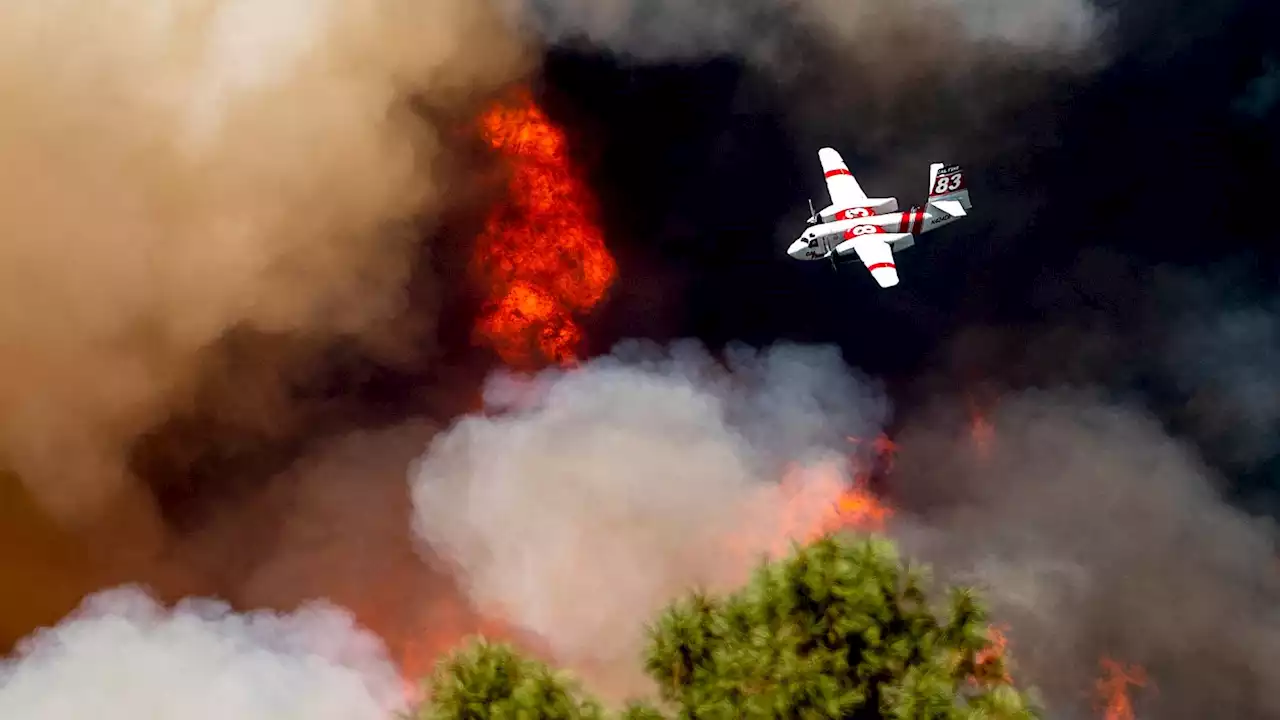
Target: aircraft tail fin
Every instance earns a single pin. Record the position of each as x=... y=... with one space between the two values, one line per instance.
x=948 y=194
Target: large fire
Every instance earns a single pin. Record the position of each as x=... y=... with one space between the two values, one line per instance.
x=541 y=256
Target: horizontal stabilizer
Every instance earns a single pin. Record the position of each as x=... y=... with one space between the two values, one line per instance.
x=950 y=207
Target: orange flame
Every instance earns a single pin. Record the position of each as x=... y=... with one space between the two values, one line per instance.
x=819 y=499
x=1113 y=688
x=541 y=255
x=858 y=508
x=812 y=500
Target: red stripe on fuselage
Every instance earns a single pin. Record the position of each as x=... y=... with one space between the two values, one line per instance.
x=838 y=171
x=905 y=222
x=919 y=221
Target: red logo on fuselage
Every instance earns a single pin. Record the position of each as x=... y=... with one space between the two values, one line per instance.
x=857 y=230
x=854 y=213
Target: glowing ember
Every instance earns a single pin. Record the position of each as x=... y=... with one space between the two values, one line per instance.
x=996 y=650
x=980 y=430
x=884 y=449
x=541 y=255
x=1113 y=688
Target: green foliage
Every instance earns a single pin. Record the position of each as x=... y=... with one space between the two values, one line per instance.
x=493 y=681
x=840 y=629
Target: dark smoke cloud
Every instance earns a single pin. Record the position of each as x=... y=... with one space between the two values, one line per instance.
x=927 y=78
x=1222 y=354
x=678 y=30
x=1197 y=346
x=1096 y=534
x=1262 y=93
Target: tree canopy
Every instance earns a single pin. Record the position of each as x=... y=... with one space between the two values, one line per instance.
x=840 y=628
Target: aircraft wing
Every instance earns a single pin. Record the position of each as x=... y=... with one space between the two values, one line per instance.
x=843 y=187
x=875 y=254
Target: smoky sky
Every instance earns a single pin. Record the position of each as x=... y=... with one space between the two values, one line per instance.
x=1113 y=296
x=1116 y=238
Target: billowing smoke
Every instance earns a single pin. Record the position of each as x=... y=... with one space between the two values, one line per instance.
x=676 y=30
x=336 y=526
x=895 y=85
x=1096 y=534
x=176 y=168
x=123 y=656
x=598 y=495
x=603 y=492
x=1221 y=351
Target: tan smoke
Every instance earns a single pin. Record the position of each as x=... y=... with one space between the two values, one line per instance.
x=178 y=167
x=334 y=526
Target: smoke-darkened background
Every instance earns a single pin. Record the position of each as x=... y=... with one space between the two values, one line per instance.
x=235 y=251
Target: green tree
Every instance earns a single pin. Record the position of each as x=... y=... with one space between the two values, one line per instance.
x=839 y=629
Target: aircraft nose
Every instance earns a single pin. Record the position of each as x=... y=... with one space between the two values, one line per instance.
x=798 y=247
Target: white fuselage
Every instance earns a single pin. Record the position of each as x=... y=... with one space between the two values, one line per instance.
x=898 y=229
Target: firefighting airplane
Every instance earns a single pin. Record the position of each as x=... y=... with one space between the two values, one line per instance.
x=873 y=227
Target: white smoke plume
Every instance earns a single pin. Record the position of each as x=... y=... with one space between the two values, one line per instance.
x=602 y=493
x=122 y=656
x=175 y=168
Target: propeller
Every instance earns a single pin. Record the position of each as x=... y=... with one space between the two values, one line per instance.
x=813 y=214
